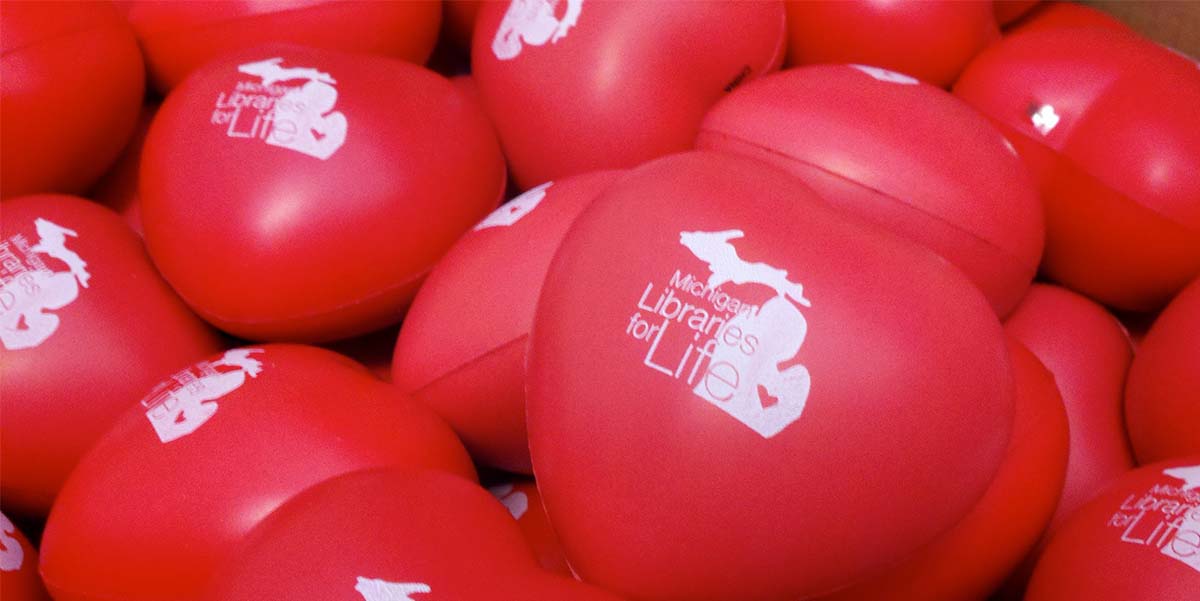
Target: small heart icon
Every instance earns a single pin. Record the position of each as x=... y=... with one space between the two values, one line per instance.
x=318 y=136
x=765 y=398
x=179 y=419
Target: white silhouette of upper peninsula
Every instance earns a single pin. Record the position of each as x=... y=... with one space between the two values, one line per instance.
x=271 y=72
x=1189 y=475
x=374 y=589
x=723 y=261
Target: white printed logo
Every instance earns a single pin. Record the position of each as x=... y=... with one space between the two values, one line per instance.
x=888 y=76
x=736 y=348
x=29 y=288
x=1185 y=547
x=182 y=404
x=513 y=210
x=533 y=22
x=1189 y=475
x=514 y=500
x=1043 y=118
x=1166 y=517
x=11 y=553
x=297 y=117
x=374 y=589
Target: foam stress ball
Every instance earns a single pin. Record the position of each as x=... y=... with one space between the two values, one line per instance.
x=873 y=142
x=1139 y=541
x=524 y=503
x=65 y=119
x=298 y=194
x=929 y=40
x=118 y=189
x=735 y=356
x=461 y=349
x=1089 y=354
x=179 y=37
x=972 y=559
x=1162 y=395
x=1103 y=119
x=411 y=535
x=575 y=86
x=86 y=326
x=19 y=580
x=209 y=452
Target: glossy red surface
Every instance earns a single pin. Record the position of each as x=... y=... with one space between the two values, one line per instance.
x=462 y=346
x=65 y=119
x=89 y=327
x=671 y=354
x=321 y=222
x=606 y=85
x=213 y=450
